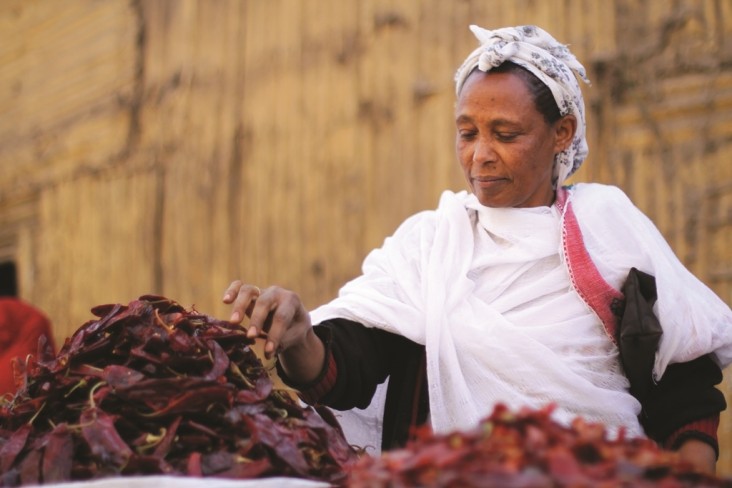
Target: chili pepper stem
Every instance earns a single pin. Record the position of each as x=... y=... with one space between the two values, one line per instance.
x=80 y=384
x=93 y=390
x=30 y=422
x=160 y=321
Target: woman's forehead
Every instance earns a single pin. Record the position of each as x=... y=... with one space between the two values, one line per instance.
x=493 y=78
x=497 y=92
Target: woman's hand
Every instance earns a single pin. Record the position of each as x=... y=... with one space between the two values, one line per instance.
x=280 y=316
x=700 y=454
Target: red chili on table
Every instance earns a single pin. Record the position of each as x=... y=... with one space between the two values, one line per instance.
x=153 y=388
x=527 y=449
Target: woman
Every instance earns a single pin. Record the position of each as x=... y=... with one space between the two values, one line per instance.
x=493 y=297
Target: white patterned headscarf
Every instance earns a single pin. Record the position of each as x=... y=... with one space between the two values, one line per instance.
x=536 y=50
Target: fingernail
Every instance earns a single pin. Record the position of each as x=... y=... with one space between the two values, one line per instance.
x=226 y=298
x=235 y=317
x=252 y=332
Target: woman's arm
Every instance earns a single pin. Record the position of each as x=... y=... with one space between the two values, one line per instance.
x=357 y=359
x=341 y=365
x=700 y=455
x=681 y=412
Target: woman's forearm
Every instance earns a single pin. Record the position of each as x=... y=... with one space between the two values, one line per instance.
x=700 y=454
x=303 y=362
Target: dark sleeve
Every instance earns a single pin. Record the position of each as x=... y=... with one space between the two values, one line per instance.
x=685 y=395
x=358 y=359
x=362 y=356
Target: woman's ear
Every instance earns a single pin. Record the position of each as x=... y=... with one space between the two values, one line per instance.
x=565 y=129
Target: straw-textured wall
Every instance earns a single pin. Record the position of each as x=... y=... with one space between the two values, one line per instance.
x=169 y=146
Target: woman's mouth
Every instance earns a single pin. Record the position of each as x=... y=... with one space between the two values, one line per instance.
x=488 y=181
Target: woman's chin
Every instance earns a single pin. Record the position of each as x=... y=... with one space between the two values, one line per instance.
x=488 y=199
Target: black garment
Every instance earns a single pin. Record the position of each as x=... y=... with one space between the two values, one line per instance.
x=686 y=391
x=365 y=357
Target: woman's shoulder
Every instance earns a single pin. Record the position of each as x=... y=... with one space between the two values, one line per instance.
x=449 y=202
x=421 y=227
x=599 y=196
x=598 y=190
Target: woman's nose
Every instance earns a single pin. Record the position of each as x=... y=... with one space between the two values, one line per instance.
x=483 y=151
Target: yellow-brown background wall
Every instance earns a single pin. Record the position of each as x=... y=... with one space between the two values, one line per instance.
x=169 y=146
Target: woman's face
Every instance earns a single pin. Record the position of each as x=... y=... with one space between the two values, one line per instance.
x=504 y=145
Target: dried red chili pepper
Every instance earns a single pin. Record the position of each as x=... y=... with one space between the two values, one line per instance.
x=30 y=468
x=162 y=448
x=12 y=446
x=528 y=449
x=151 y=388
x=58 y=451
x=105 y=443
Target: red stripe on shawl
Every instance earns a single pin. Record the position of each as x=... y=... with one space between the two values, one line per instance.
x=597 y=293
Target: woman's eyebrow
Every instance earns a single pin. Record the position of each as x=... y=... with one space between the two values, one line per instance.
x=500 y=122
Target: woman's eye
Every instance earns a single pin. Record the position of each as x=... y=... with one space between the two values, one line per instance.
x=506 y=136
x=466 y=134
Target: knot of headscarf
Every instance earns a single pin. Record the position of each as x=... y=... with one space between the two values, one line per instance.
x=536 y=50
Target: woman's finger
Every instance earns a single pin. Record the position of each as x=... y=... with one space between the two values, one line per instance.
x=243 y=301
x=280 y=321
x=260 y=311
x=232 y=291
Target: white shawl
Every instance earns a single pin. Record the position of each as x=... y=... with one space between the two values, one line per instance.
x=417 y=285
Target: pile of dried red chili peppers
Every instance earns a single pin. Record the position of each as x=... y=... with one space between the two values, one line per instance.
x=151 y=388
x=527 y=450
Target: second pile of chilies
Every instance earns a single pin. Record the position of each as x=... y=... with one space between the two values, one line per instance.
x=528 y=449
x=151 y=388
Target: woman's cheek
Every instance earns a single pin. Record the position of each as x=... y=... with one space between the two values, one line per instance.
x=464 y=153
